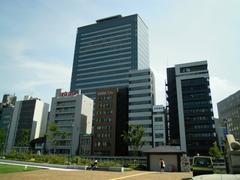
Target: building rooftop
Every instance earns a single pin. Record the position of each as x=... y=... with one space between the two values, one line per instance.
x=165 y=150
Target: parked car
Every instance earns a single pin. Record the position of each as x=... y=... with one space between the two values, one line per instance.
x=202 y=165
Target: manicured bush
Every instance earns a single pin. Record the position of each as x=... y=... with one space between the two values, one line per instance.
x=66 y=160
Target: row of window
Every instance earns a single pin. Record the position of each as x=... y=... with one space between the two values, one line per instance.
x=197 y=118
x=64 y=116
x=193 y=68
x=98 y=68
x=139 y=88
x=140 y=118
x=103 y=127
x=194 y=82
x=159 y=135
x=197 y=103
x=66 y=103
x=103 y=135
x=110 y=56
x=139 y=74
x=105 y=45
x=140 y=110
x=107 y=34
x=140 y=103
x=158 y=119
x=103 y=62
x=159 y=127
x=104 y=105
x=104 y=97
x=139 y=95
x=109 y=51
x=147 y=134
x=102 y=144
x=103 y=119
x=85 y=142
x=102 y=40
x=97 y=74
x=159 y=143
x=139 y=81
x=104 y=112
x=202 y=126
x=197 y=135
x=202 y=110
x=105 y=30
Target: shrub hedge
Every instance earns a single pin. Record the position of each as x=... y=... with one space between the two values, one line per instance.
x=66 y=160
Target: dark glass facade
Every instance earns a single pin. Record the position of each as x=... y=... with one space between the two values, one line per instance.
x=198 y=115
x=172 y=109
x=190 y=108
x=25 y=121
x=106 y=51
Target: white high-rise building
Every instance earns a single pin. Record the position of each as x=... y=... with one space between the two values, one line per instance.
x=141 y=101
x=159 y=128
x=72 y=112
x=30 y=117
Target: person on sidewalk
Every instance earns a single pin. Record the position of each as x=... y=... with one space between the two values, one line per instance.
x=162 y=165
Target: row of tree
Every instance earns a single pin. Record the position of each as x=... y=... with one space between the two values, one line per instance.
x=133 y=138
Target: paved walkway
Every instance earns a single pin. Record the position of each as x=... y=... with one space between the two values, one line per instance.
x=51 y=173
x=41 y=167
x=92 y=175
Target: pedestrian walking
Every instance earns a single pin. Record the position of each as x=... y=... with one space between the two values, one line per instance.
x=162 y=165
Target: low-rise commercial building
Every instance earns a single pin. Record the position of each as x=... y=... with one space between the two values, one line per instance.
x=72 y=114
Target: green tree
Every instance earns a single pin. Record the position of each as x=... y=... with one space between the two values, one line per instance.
x=2 y=140
x=54 y=134
x=24 y=138
x=214 y=151
x=133 y=137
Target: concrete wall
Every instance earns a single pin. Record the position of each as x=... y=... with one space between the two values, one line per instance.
x=170 y=161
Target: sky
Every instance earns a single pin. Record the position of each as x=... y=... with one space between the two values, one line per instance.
x=37 y=40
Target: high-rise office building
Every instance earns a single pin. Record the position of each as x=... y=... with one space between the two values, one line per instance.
x=106 y=51
x=190 y=107
x=141 y=101
x=229 y=113
x=6 y=112
x=111 y=120
x=29 y=117
x=72 y=113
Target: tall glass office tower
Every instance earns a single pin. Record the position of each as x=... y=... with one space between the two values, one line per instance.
x=106 y=51
x=191 y=123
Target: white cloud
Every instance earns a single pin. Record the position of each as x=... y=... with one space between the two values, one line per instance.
x=25 y=74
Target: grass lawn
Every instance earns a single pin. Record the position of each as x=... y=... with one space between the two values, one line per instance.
x=6 y=168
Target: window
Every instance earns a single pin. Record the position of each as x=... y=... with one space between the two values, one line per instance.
x=158 y=119
x=158 y=135
x=158 y=127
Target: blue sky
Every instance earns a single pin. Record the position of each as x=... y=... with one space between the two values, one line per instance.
x=37 y=41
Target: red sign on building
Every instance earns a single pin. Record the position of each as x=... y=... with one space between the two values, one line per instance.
x=69 y=93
